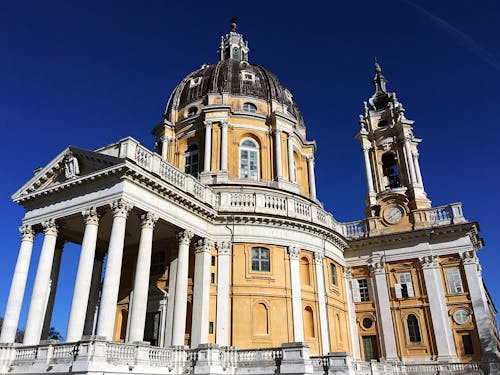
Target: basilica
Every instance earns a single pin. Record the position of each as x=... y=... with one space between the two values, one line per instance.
x=212 y=254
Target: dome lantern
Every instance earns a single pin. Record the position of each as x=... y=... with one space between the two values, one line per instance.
x=232 y=45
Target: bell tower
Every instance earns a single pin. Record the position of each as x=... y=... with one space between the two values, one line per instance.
x=390 y=152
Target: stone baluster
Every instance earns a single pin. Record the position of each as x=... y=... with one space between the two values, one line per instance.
x=437 y=305
x=223 y=274
x=323 y=316
x=298 y=324
x=54 y=279
x=18 y=285
x=201 y=293
x=83 y=279
x=39 y=295
x=141 y=280
x=112 y=274
x=181 y=284
x=223 y=156
x=208 y=146
x=384 y=313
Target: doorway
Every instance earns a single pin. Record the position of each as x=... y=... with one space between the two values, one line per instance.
x=370 y=348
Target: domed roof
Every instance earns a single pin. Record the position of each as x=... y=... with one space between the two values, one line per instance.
x=233 y=74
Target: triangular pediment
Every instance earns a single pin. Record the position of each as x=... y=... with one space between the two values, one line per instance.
x=71 y=164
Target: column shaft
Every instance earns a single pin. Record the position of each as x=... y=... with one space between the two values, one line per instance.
x=437 y=305
x=54 y=280
x=351 y=311
x=323 y=315
x=181 y=284
x=291 y=163
x=83 y=279
x=201 y=293
x=312 y=178
x=172 y=276
x=208 y=147
x=409 y=161
x=223 y=156
x=298 y=324
x=93 y=301
x=39 y=295
x=223 y=274
x=18 y=285
x=417 y=168
x=279 y=159
x=111 y=284
x=369 y=176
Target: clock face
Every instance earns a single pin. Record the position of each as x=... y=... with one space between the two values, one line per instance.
x=393 y=214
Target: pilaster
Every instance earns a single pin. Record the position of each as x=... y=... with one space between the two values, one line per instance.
x=298 y=324
x=223 y=275
x=323 y=316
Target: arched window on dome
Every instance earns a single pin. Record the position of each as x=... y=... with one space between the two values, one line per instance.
x=249 y=160
x=249 y=107
x=413 y=328
x=191 y=159
x=235 y=55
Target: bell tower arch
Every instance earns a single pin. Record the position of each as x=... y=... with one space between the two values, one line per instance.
x=390 y=151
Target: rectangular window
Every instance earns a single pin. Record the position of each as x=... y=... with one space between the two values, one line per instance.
x=157 y=263
x=260 y=259
x=405 y=287
x=210 y=328
x=212 y=262
x=333 y=274
x=467 y=343
x=454 y=281
x=364 y=292
x=212 y=278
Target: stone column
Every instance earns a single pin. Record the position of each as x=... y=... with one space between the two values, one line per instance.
x=417 y=167
x=163 y=320
x=223 y=275
x=54 y=279
x=351 y=311
x=18 y=285
x=312 y=178
x=181 y=284
x=83 y=279
x=439 y=312
x=298 y=324
x=165 y=141
x=223 y=153
x=111 y=283
x=368 y=169
x=201 y=293
x=208 y=146
x=95 y=290
x=39 y=296
x=291 y=162
x=172 y=276
x=384 y=313
x=323 y=315
x=278 y=156
x=409 y=160
x=141 y=279
x=479 y=301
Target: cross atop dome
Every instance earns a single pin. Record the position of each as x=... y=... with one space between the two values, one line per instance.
x=232 y=45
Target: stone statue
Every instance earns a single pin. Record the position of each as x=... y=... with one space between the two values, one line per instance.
x=71 y=168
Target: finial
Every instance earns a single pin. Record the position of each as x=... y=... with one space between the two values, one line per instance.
x=234 y=26
x=378 y=69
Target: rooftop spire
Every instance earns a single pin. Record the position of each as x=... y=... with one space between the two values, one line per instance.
x=232 y=45
x=379 y=79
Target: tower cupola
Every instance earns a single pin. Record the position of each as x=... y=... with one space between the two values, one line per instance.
x=232 y=45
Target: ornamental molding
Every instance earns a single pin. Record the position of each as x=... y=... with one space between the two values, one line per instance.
x=184 y=237
x=223 y=247
x=27 y=233
x=204 y=245
x=121 y=208
x=148 y=220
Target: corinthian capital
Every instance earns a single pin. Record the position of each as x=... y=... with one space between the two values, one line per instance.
x=224 y=123
x=429 y=261
x=377 y=267
x=294 y=252
x=469 y=257
x=204 y=245
x=50 y=227
x=27 y=233
x=148 y=220
x=318 y=258
x=184 y=237
x=121 y=208
x=90 y=216
x=208 y=124
x=223 y=248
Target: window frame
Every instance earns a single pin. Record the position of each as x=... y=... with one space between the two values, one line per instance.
x=189 y=154
x=414 y=334
x=249 y=150
x=333 y=273
x=454 y=281
x=249 y=107
x=259 y=261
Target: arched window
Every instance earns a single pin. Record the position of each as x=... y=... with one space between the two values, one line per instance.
x=308 y=322
x=413 y=328
x=249 y=107
x=305 y=276
x=261 y=319
x=249 y=160
x=390 y=170
x=192 y=111
x=236 y=54
x=260 y=259
x=191 y=159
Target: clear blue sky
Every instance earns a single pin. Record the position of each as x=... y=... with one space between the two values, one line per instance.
x=87 y=73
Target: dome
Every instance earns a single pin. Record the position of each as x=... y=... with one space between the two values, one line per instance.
x=236 y=77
